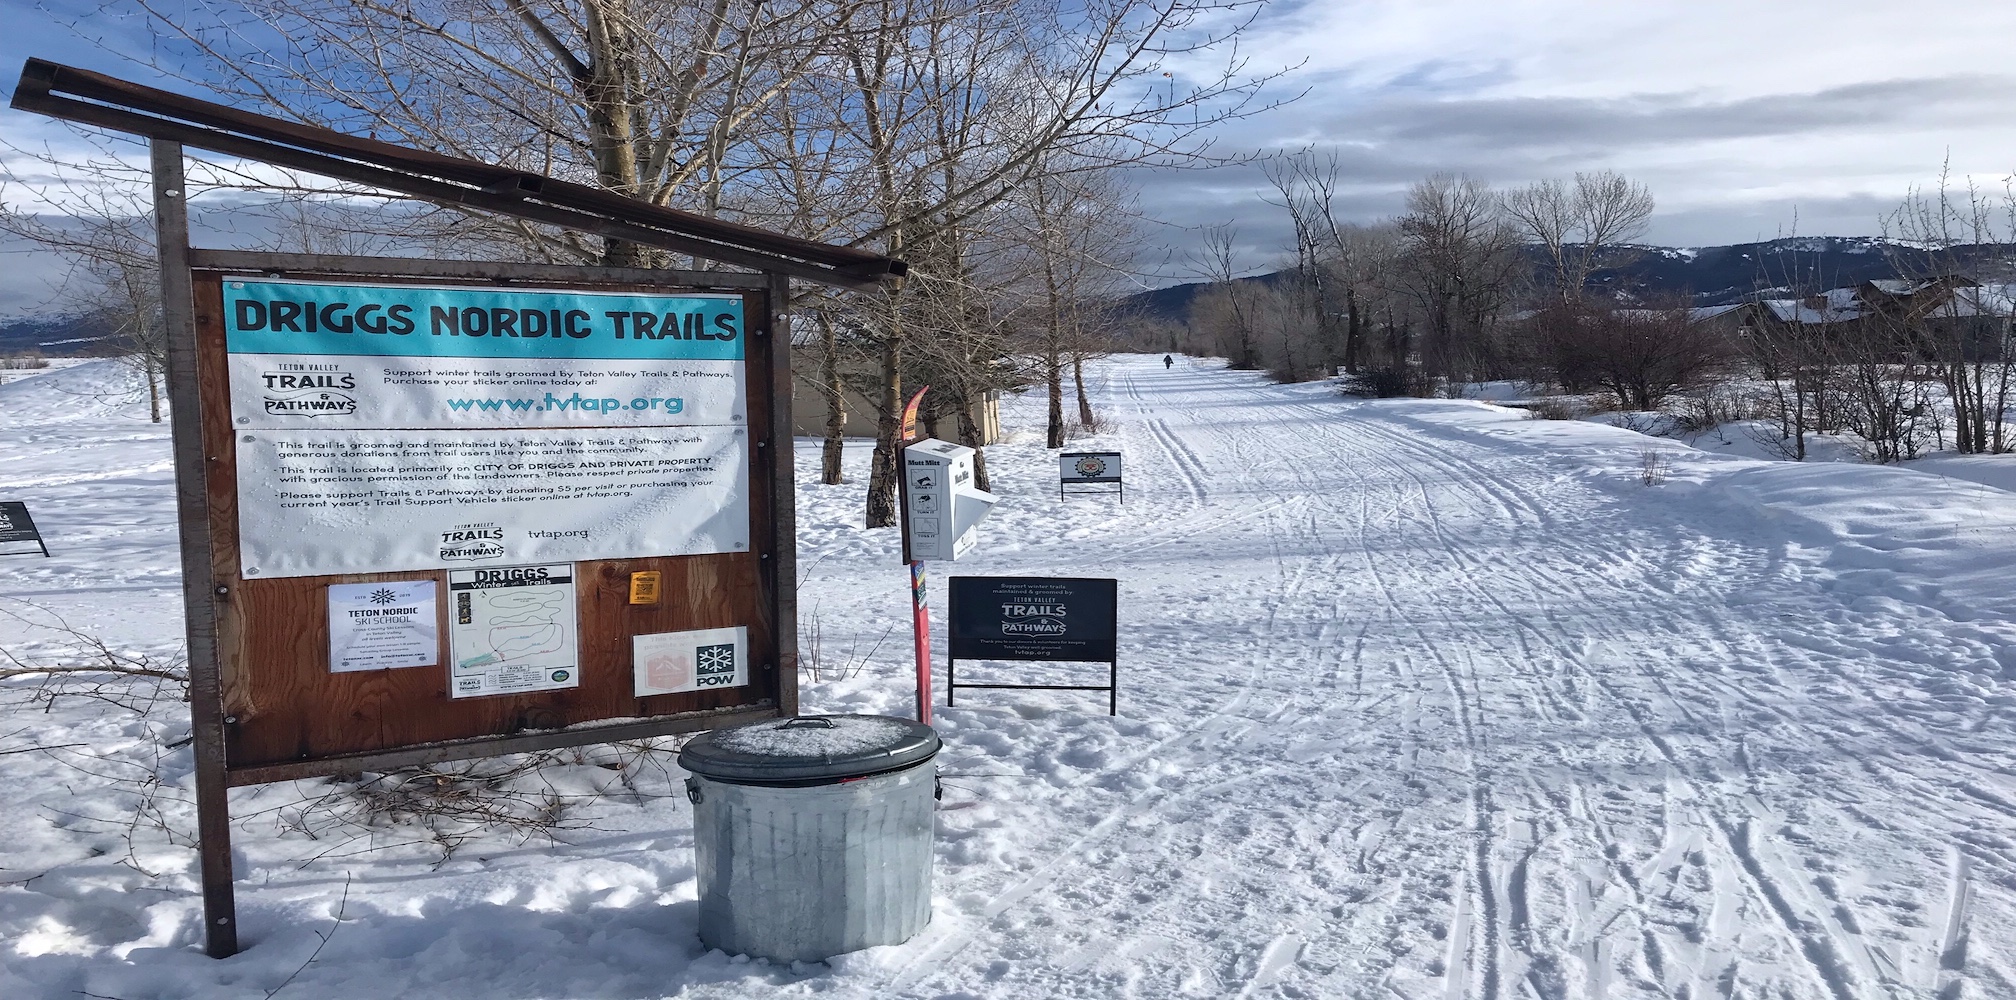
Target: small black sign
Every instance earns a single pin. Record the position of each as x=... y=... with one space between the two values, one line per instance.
x=1072 y=619
x=17 y=526
x=1033 y=618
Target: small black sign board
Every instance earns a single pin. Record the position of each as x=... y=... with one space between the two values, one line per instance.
x=1059 y=619
x=17 y=526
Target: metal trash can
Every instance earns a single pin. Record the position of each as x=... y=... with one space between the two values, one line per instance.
x=812 y=835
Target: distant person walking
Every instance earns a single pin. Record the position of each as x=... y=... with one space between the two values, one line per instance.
x=1168 y=362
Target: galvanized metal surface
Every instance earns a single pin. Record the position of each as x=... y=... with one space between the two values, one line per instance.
x=803 y=874
x=810 y=749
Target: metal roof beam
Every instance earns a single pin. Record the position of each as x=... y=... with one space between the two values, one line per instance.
x=108 y=102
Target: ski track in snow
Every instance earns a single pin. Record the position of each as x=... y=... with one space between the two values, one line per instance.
x=1409 y=709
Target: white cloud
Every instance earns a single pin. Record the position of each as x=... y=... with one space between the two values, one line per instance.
x=1734 y=111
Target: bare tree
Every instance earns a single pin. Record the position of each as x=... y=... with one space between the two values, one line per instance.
x=1459 y=265
x=1640 y=355
x=1960 y=325
x=1577 y=224
x=103 y=231
x=1224 y=312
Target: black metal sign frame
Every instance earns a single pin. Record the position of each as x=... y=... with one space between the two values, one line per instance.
x=17 y=526
x=1037 y=619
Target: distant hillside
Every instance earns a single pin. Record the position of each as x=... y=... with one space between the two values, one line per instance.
x=1707 y=275
x=1722 y=275
x=56 y=336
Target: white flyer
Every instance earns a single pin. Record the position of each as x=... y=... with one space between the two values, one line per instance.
x=677 y=662
x=512 y=629
x=376 y=626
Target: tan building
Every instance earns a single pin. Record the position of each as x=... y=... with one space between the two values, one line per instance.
x=808 y=416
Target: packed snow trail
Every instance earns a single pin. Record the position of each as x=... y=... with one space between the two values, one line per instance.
x=1447 y=720
x=1418 y=700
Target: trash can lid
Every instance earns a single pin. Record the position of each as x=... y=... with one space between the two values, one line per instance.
x=809 y=749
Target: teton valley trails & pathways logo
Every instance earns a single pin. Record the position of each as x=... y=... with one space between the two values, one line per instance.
x=309 y=391
x=1033 y=619
x=472 y=543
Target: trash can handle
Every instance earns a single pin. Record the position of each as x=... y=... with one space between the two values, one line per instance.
x=693 y=790
x=808 y=720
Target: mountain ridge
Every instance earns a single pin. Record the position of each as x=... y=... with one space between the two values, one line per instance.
x=1704 y=276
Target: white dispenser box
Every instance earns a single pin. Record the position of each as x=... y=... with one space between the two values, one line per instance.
x=942 y=506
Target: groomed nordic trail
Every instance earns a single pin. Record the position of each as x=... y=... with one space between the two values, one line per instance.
x=1419 y=700
x=1440 y=718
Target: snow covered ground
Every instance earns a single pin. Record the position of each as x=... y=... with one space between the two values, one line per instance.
x=1421 y=699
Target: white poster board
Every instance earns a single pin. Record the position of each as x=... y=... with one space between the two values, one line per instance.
x=1089 y=467
x=511 y=630
x=407 y=427
x=376 y=626
x=696 y=660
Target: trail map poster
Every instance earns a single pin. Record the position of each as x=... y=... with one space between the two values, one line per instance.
x=403 y=427
x=512 y=629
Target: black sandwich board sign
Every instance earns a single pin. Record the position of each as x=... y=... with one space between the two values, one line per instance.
x=1079 y=468
x=17 y=526
x=1057 y=619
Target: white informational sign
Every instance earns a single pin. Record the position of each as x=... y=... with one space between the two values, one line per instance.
x=943 y=506
x=512 y=629
x=1089 y=467
x=375 y=626
x=403 y=427
x=677 y=662
x=315 y=502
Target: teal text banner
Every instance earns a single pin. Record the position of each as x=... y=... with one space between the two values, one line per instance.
x=266 y=316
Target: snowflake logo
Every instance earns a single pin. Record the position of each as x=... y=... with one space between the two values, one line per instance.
x=383 y=596
x=715 y=659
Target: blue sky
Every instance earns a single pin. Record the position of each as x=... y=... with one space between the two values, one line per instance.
x=1744 y=117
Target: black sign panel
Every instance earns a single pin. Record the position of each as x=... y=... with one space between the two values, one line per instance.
x=17 y=526
x=1033 y=618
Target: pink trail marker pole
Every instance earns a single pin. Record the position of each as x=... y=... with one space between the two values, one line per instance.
x=920 y=620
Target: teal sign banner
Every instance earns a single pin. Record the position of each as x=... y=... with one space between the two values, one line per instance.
x=267 y=316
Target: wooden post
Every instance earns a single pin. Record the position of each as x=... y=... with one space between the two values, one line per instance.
x=199 y=591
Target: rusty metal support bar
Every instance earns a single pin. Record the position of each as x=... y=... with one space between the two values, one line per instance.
x=489 y=270
x=491 y=746
x=97 y=99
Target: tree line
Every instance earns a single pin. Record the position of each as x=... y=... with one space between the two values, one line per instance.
x=1471 y=283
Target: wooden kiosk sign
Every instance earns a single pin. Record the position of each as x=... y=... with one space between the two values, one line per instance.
x=445 y=509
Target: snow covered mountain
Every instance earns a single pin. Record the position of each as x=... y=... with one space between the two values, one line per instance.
x=1708 y=276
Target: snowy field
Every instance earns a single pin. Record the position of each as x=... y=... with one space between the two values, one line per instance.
x=1421 y=699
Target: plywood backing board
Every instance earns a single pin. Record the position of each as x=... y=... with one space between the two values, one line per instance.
x=283 y=705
